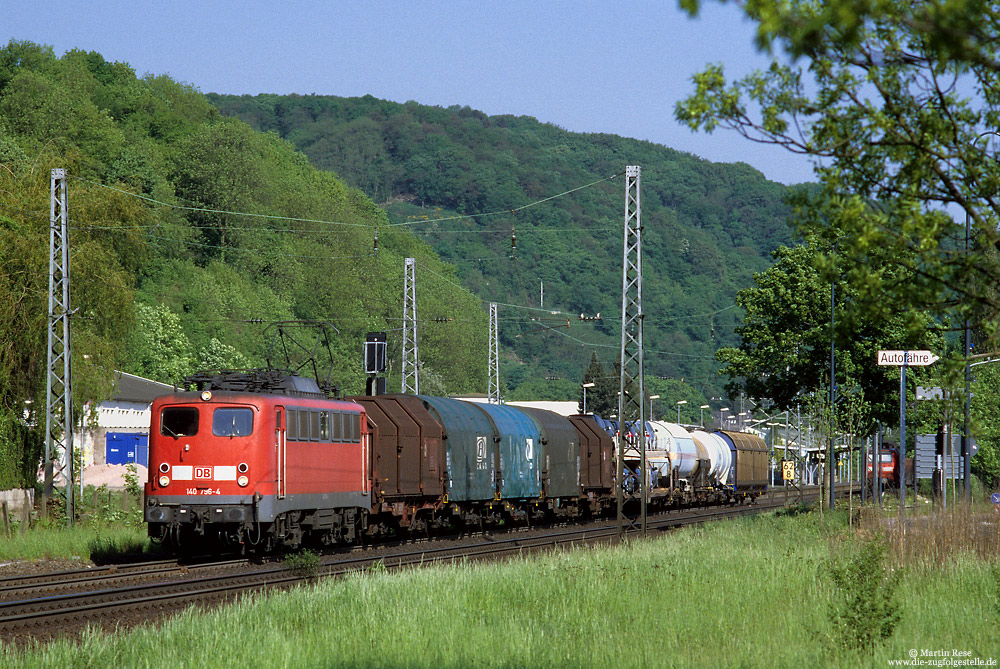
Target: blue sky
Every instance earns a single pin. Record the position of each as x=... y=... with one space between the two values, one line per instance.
x=584 y=66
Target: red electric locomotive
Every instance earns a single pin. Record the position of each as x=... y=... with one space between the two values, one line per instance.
x=258 y=463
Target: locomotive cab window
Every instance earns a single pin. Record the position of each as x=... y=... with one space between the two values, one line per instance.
x=232 y=422
x=179 y=421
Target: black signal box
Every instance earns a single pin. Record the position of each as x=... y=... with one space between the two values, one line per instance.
x=375 y=344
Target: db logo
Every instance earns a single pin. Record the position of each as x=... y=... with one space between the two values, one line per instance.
x=203 y=472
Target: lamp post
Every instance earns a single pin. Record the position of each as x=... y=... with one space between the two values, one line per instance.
x=833 y=391
x=701 y=415
x=679 y=403
x=722 y=416
x=585 y=386
x=651 y=398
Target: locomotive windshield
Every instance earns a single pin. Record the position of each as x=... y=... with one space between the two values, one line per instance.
x=179 y=421
x=232 y=422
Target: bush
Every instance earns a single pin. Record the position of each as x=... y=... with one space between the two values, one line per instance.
x=865 y=609
x=304 y=563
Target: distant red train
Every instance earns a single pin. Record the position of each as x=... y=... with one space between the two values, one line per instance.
x=888 y=468
x=265 y=460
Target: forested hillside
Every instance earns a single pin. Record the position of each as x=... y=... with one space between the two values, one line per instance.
x=189 y=233
x=706 y=227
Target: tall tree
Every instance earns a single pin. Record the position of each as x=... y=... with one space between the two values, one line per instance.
x=898 y=103
x=159 y=348
x=789 y=328
x=602 y=399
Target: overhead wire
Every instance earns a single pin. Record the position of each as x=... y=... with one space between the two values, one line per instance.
x=342 y=223
x=209 y=210
x=235 y=249
x=370 y=226
x=511 y=210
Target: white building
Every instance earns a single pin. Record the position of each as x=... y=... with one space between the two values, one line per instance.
x=122 y=425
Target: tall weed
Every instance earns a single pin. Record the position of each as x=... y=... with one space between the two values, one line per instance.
x=865 y=608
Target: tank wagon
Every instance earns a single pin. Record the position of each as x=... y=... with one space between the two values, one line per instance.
x=699 y=467
x=270 y=460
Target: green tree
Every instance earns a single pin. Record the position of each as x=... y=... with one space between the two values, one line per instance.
x=159 y=348
x=100 y=299
x=219 y=356
x=786 y=334
x=218 y=168
x=707 y=227
x=556 y=390
x=602 y=399
x=898 y=104
x=672 y=391
x=985 y=399
x=213 y=277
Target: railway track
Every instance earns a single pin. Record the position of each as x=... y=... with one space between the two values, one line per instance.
x=45 y=606
x=35 y=585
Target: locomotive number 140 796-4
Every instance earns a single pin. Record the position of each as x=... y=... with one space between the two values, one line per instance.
x=202 y=491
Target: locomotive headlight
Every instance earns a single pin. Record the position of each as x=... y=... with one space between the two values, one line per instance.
x=206 y=395
x=164 y=467
x=243 y=481
x=164 y=481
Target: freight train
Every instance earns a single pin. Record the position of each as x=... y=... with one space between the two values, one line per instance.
x=266 y=460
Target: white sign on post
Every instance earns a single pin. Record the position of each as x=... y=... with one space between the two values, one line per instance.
x=910 y=358
x=904 y=359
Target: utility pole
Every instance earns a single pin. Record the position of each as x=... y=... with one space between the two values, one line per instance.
x=494 y=357
x=631 y=414
x=966 y=450
x=833 y=393
x=58 y=387
x=411 y=361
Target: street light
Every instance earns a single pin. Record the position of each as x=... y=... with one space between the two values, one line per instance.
x=722 y=415
x=679 y=403
x=585 y=386
x=701 y=415
x=651 y=398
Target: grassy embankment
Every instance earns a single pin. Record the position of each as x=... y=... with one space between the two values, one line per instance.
x=749 y=593
x=108 y=528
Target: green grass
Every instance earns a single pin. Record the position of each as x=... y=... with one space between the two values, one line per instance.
x=748 y=593
x=105 y=544
x=106 y=530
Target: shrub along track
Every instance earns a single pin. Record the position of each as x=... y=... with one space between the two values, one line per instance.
x=41 y=607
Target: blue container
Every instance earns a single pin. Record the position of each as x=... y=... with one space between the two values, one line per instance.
x=470 y=448
x=121 y=448
x=520 y=451
x=609 y=426
x=560 y=453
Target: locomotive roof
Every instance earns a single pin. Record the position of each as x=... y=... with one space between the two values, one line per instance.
x=264 y=381
x=242 y=397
